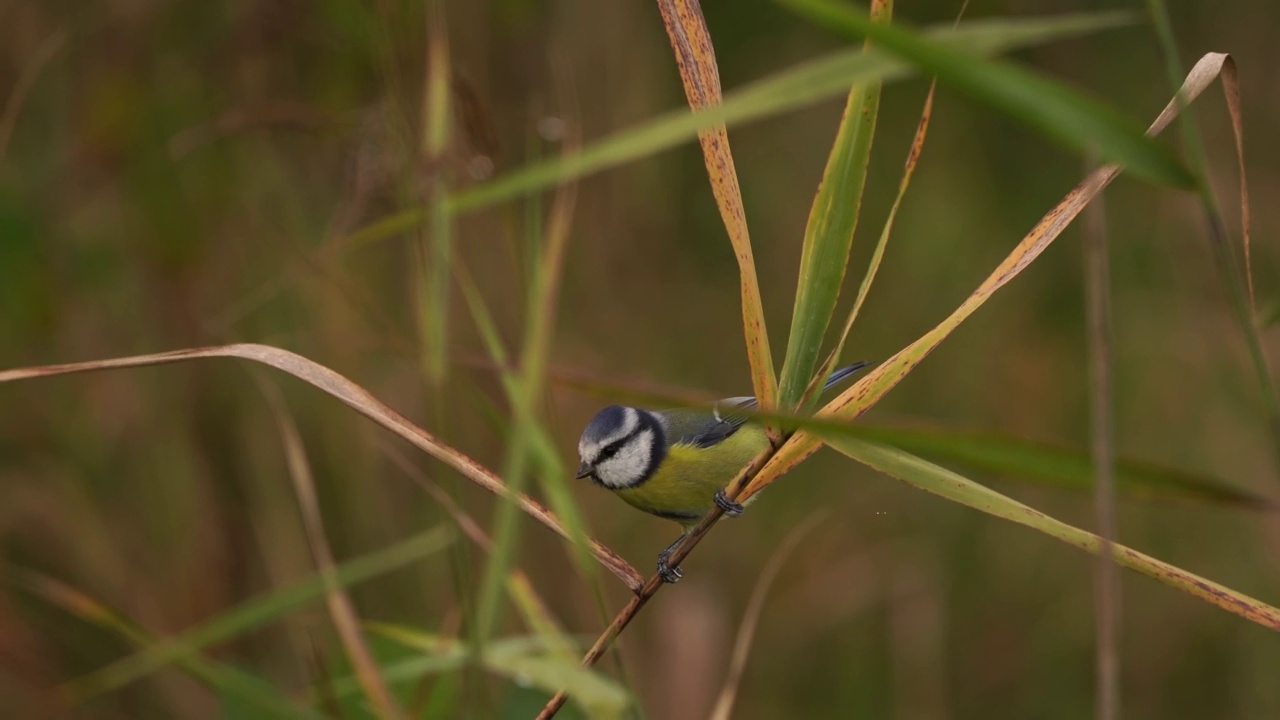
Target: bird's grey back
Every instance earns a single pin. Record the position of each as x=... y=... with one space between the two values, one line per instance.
x=705 y=428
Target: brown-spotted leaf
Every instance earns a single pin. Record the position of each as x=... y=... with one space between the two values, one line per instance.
x=696 y=58
x=956 y=488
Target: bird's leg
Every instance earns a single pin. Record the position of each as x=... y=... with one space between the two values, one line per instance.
x=670 y=574
x=730 y=508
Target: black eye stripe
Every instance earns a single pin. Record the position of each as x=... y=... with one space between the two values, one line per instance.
x=612 y=448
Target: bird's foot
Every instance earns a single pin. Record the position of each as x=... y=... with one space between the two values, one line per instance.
x=730 y=508
x=669 y=574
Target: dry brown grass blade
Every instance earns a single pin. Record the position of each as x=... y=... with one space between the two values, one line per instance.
x=872 y=387
x=362 y=402
x=696 y=58
x=341 y=610
x=1231 y=92
x=751 y=618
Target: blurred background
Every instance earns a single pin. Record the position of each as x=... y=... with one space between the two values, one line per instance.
x=170 y=168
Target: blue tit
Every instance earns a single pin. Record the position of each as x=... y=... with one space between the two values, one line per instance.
x=675 y=463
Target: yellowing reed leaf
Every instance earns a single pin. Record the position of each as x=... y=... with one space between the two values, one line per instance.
x=696 y=58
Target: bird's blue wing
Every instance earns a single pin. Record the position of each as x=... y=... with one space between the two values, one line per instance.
x=715 y=427
x=704 y=429
x=725 y=422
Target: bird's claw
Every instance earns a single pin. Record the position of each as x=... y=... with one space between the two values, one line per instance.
x=730 y=508
x=669 y=574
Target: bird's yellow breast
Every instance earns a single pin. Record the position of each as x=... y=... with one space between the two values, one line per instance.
x=683 y=487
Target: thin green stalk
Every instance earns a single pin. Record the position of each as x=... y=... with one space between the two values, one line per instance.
x=523 y=449
x=434 y=301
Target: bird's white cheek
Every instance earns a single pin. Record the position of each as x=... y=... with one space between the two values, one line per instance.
x=628 y=465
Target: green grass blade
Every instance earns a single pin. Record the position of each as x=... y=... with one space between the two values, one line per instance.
x=228 y=681
x=526 y=449
x=538 y=618
x=524 y=660
x=255 y=613
x=1062 y=114
x=1064 y=467
x=956 y=488
x=546 y=455
x=790 y=89
x=828 y=235
x=877 y=254
x=437 y=254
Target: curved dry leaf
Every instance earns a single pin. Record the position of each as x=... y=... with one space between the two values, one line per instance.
x=363 y=402
x=1231 y=92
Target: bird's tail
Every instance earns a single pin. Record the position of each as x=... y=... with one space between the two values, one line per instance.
x=833 y=379
x=838 y=375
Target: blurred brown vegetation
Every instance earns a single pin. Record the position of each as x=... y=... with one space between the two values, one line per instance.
x=168 y=160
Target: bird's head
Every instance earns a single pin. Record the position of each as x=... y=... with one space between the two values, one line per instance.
x=622 y=446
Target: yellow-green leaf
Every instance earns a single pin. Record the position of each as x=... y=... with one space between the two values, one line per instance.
x=1062 y=466
x=828 y=236
x=956 y=488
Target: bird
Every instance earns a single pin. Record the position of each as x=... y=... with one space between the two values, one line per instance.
x=676 y=463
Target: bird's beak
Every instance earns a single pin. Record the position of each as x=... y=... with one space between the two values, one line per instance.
x=583 y=470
